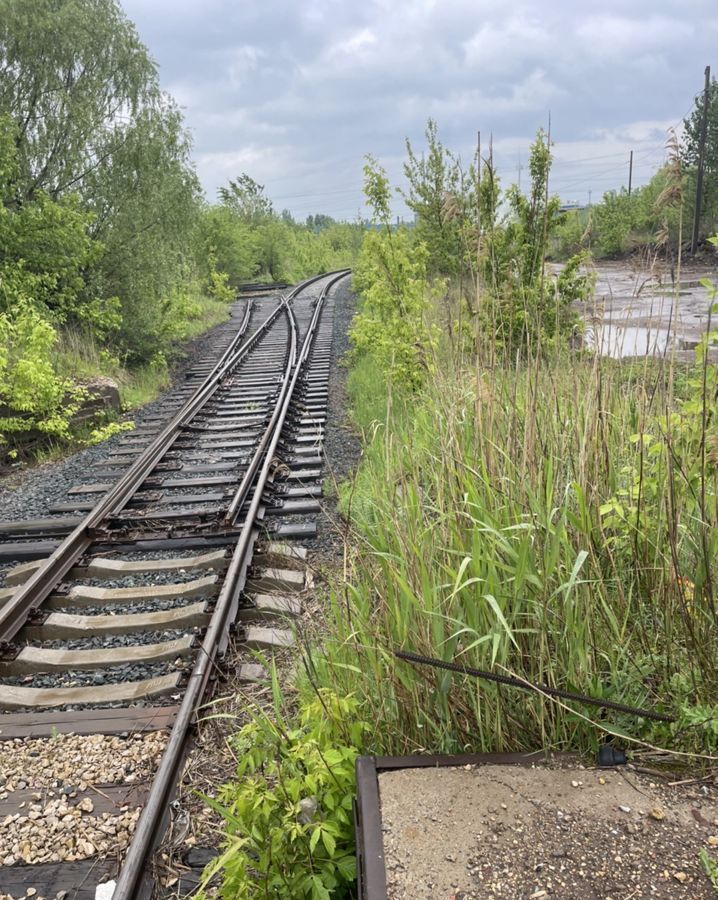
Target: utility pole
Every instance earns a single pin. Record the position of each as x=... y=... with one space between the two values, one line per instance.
x=478 y=201
x=478 y=194
x=589 y=197
x=701 y=160
x=630 y=173
x=520 y=168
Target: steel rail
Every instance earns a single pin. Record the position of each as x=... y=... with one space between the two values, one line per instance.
x=280 y=411
x=148 y=831
x=50 y=573
x=34 y=591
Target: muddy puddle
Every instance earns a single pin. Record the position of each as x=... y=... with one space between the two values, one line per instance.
x=640 y=312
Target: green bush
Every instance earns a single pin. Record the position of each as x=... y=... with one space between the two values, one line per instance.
x=32 y=395
x=289 y=811
x=391 y=275
x=392 y=325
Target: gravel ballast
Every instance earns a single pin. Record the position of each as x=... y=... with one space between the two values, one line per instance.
x=342 y=446
x=58 y=782
x=29 y=493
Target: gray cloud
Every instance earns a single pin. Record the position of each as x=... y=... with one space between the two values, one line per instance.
x=296 y=93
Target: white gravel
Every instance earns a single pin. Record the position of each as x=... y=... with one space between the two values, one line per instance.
x=50 y=827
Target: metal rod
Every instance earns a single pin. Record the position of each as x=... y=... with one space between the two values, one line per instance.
x=528 y=686
x=701 y=161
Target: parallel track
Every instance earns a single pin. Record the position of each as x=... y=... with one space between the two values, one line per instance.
x=245 y=413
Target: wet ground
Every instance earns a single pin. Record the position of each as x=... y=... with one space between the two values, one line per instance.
x=637 y=311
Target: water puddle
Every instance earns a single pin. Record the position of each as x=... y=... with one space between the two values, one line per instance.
x=636 y=312
x=618 y=341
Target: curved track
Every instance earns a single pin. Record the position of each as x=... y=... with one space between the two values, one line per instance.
x=243 y=445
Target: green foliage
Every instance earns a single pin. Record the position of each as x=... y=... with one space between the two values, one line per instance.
x=391 y=275
x=71 y=73
x=710 y=867
x=652 y=215
x=391 y=326
x=335 y=246
x=246 y=200
x=223 y=242
x=690 y=150
x=32 y=396
x=613 y=221
x=442 y=201
x=570 y=236
x=554 y=518
x=103 y=432
x=103 y=231
x=146 y=202
x=533 y=215
x=320 y=222
x=492 y=246
x=526 y=309
x=218 y=287
x=621 y=223
x=101 y=196
x=245 y=241
x=46 y=250
x=288 y=813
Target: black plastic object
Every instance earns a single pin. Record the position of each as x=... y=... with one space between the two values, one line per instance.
x=608 y=756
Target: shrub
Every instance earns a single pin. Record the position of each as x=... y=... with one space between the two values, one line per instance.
x=288 y=812
x=391 y=275
x=32 y=395
x=391 y=326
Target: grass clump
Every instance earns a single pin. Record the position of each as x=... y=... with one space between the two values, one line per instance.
x=523 y=508
x=552 y=519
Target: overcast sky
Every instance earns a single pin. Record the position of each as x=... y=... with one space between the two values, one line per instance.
x=295 y=93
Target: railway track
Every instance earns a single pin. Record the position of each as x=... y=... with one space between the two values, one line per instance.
x=113 y=620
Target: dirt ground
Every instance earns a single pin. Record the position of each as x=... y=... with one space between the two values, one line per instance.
x=545 y=831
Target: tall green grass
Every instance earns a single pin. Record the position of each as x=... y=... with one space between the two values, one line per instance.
x=80 y=356
x=547 y=520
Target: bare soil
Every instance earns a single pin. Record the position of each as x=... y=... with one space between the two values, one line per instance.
x=566 y=832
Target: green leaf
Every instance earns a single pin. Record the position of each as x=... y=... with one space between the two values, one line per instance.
x=493 y=603
x=329 y=843
x=347 y=866
x=319 y=892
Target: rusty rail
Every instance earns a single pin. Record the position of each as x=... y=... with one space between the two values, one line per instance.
x=149 y=828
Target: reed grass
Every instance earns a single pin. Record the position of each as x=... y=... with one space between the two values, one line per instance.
x=540 y=520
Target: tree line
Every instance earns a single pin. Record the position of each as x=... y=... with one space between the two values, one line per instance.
x=105 y=233
x=624 y=222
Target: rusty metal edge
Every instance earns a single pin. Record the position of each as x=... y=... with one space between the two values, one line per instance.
x=371 y=868
x=433 y=760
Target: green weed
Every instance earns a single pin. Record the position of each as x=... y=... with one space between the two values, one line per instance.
x=288 y=811
x=513 y=520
